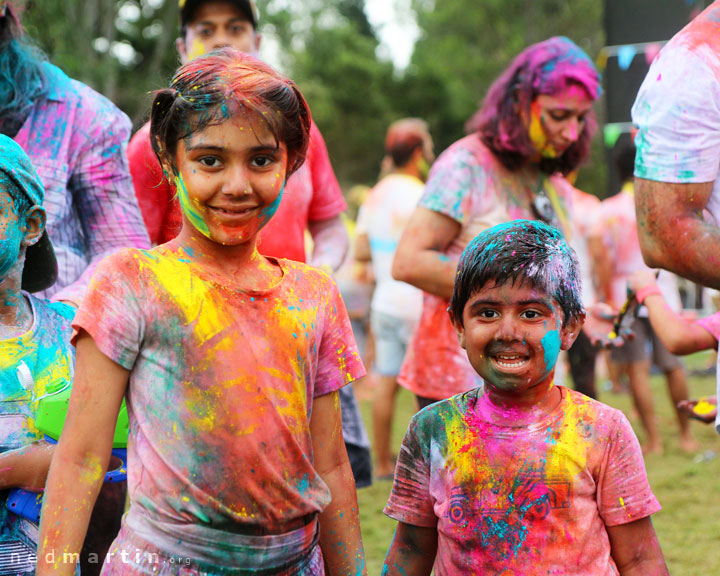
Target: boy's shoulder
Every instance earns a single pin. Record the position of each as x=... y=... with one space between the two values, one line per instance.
x=435 y=417
x=589 y=410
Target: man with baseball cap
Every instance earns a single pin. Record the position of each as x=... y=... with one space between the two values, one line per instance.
x=312 y=200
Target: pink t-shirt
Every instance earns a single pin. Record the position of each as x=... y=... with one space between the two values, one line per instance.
x=468 y=184
x=221 y=389
x=528 y=498
x=311 y=194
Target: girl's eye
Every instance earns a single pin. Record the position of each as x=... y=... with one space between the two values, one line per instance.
x=262 y=161
x=558 y=116
x=210 y=161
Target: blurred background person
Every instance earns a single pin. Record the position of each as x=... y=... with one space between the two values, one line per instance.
x=396 y=306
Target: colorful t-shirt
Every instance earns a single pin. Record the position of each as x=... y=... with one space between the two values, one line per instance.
x=616 y=225
x=220 y=396
x=677 y=110
x=76 y=140
x=468 y=184
x=712 y=324
x=32 y=366
x=312 y=194
x=514 y=497
x=383 y=217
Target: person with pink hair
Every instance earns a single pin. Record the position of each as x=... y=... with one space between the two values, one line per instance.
x=533 y=129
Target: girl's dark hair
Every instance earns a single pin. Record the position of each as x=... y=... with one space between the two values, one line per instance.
x=544 y=68
x=22 y=81
x=525 y=252
x=212 y=88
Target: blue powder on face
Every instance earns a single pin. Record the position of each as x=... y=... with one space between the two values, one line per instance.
x=551 y=344
x=269 y=211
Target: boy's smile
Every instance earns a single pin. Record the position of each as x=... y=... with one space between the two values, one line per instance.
x=513 y=335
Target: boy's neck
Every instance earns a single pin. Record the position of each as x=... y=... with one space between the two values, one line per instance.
x=242 y=266
x=15 y=312
x=534 y=405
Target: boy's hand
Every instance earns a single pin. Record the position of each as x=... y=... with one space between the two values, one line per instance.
x=703 y=409
x=641 y=279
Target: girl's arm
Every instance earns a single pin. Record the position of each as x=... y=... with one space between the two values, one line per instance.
x=340 y=538
x=81 y=458
x=636 y=550
x=412 y=551
x=26 y=467
x=678 y=336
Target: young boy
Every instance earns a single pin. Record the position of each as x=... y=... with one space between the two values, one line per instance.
x=521 y=477
x=36 y=357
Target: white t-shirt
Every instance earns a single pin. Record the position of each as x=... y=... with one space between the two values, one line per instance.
x=677 y=110
x=383 y=217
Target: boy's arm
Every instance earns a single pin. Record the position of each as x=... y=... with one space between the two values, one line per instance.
x=636 y=549
x=412 y=551
x=678 y=336
x=81 y=457
x=26 y=467
x=340 y=538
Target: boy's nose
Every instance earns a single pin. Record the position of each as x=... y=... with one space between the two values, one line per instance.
x=507 y=329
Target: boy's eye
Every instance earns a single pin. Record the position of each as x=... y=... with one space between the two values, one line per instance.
x=205 y=32
x=530 y=314
x=210 y=161
x=488 y=314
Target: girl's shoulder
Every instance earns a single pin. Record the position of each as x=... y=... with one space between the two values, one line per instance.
x=303 y=276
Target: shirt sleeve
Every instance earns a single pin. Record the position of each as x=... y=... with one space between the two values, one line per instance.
x=152 y=191
x=339 y=361
x=677 y=113
x=623 y=490
x=410 y=501
x=454 y=178
x=110 y=312
x=327 y=199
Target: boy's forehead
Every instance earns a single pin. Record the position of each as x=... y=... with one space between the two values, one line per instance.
x=513 y=290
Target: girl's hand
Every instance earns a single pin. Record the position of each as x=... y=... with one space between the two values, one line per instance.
x=641 y=279
x=703 y=409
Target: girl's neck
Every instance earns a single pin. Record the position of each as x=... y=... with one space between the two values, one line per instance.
x=240 y=266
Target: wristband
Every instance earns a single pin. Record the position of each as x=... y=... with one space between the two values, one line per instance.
x=646 y=291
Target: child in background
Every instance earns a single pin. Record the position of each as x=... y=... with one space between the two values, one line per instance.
x=680 y=337
x=527 y=477
x=36 y=358
x=230 y=362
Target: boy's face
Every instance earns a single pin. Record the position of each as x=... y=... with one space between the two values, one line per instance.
x=513 y=335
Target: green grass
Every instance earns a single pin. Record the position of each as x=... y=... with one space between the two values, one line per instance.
x=687 y=486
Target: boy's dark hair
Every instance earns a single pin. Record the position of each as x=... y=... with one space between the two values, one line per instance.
x=212 y=88
x=523 y=252
x=403 y=138
x=625 y=162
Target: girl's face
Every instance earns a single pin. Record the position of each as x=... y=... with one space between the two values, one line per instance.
x=556 y=122
x=230 y=178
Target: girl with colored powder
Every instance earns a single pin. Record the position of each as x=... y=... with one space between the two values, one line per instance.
x=230 y=362
x=527 y=477
x=533 y=129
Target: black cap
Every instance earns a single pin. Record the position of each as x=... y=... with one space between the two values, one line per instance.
x=247 y=7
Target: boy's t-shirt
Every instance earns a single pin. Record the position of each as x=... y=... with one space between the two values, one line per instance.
x=528 y=498
x=45 y=354
x=220 y=393
x=35 y=364
x=712 y=324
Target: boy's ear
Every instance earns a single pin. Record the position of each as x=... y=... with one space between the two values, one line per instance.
x=570 y=331
x=35 y=219
x=459 y=329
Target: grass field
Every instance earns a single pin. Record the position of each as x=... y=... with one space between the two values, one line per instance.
x=687 y=486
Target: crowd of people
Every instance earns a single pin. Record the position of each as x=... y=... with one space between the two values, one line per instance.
x=173 y=273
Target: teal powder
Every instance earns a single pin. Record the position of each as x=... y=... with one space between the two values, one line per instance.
x=551 y=345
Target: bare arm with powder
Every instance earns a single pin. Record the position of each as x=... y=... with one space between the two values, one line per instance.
x=636 y=549
x=26 y=467
x=672 y=232
x=412 y=551
x=420 y=259
x=331 y=242
x=81 y=457
x=340 y=538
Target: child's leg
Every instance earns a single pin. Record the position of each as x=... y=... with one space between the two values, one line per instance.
x=383 y=407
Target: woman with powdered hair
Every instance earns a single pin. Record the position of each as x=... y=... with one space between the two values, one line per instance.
x=533 y=129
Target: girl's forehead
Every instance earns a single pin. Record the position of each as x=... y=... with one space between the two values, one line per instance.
x=242 y=127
